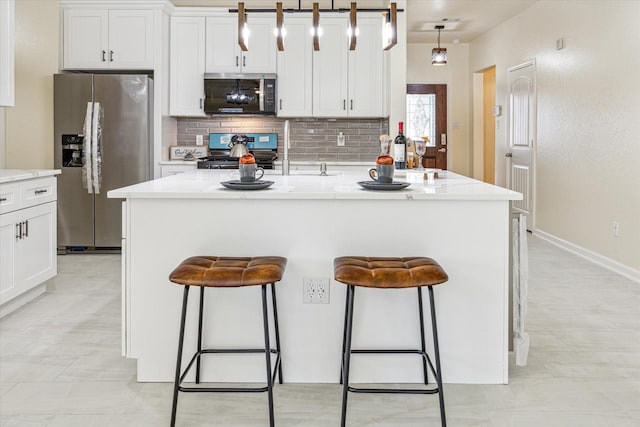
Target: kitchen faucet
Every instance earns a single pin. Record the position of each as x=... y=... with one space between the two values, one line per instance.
x=286 y=146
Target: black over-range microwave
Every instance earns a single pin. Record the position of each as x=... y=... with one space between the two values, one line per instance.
x=228 y=93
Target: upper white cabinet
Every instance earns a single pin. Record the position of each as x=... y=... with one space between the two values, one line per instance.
x=7 y=49
x=224 y=54
x=108 y=39
x=295 y=69
x=349 y=83
x=186 y=89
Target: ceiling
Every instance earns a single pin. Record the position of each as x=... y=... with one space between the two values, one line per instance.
x=464 y=20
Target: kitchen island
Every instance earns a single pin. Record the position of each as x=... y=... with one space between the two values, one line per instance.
x=309 y=219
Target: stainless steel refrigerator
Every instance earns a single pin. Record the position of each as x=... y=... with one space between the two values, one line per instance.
x=103 y=140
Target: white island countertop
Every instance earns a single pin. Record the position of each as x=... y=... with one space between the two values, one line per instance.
x=205 y=184
x=11 y=175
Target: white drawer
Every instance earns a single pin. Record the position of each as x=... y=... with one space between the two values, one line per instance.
x=38 y=191
x=9 y=197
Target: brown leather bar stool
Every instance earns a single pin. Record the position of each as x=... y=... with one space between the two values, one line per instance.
x=227 y=272
x=390 y=273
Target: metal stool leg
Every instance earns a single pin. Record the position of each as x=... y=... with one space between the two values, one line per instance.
x=199 y=334
x=185 y=298
x=346 y=356
x=436 y=351
x=267 y=352
x=275 y=321
x=422 y=341
x=344 y=333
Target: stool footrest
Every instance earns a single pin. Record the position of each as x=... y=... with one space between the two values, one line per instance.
x=274 y=370
x=394 y=390
x=223 y=389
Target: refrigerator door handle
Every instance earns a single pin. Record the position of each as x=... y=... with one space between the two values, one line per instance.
x=95 y=149
x=87 y=148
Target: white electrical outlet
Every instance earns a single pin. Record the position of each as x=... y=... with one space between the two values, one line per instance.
x=315 y=290
x=615 y=228
x=199 y=140
x=340 y=139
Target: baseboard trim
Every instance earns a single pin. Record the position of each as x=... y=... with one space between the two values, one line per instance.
x=22 y=299
x=596 y=258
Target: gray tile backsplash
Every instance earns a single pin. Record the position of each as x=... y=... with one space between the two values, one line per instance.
x=311 y=139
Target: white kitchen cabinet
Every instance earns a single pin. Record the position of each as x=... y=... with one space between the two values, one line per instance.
x=349 y=83
x=224 y=54
x=295 y=70
x=27 y=240
x=108 y=39
x=7 y=53
x=186 y=89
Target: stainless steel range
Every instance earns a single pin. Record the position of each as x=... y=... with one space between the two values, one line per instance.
x=264 y=146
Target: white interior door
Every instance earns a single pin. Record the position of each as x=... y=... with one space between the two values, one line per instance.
x=522 y=136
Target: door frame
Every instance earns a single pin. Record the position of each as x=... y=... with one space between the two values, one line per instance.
x=440 y=91
x=534 y=138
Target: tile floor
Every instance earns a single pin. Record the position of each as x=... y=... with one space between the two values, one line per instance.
x=60 y=363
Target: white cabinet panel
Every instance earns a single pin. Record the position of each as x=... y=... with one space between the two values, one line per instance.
x=224 y=54
x=8 y=234
x=186 y=96
x=37 y=247
x=295 y=70
x=131 y=39
x=349 y=83
x=366 y=65
x=103 y=39
x=330 y=68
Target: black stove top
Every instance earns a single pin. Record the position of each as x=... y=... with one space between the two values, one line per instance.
x=220 y=159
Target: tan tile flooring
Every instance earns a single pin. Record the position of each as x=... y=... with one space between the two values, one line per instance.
x=60 y=363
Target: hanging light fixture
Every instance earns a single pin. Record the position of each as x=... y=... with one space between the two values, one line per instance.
x=390 y=27
x=243 y=29
x=438 y=54
x=316 y=26
x=279 y=28
x=353 y=26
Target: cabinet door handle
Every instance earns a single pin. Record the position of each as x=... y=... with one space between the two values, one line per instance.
x=352 y=105
x=344 y=104
x=19 y=231
x=281 y=103
x=4 y=199
x=104 y=56
x=244 y=61
x=41 y=191
x=237 y=63
x=26 y=228
x=111 y=55
x=201 y=103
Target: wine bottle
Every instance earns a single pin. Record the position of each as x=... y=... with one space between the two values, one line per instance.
x=400 y=148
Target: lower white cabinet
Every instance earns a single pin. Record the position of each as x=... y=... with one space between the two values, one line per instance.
x=27 y=239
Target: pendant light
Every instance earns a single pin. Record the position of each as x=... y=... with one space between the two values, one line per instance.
x=390 y=27
x=243 y=30
x=316 y=26
x=279 y=27
x=353 y=26
x=439 y=55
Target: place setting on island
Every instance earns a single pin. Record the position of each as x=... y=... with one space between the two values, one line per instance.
x=250 y=176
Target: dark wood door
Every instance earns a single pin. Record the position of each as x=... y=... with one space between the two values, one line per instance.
x=431 y=117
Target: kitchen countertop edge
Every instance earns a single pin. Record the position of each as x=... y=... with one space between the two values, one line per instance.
x=14 y=175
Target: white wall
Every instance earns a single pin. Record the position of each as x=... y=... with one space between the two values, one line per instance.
x=29 y=125
x=588 y=146
x=456 y=76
